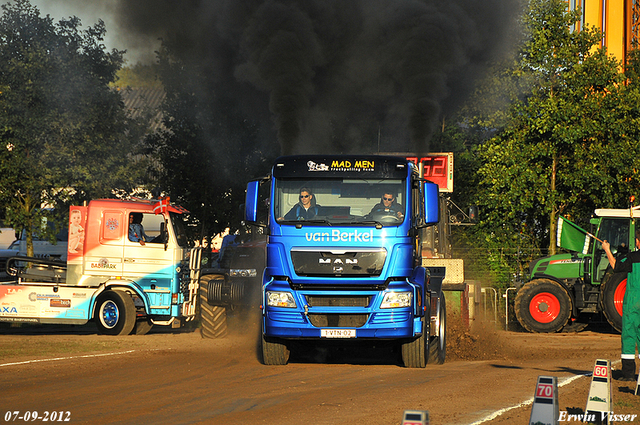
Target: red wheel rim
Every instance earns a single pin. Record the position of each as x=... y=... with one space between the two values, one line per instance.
x=544 y=307
x=618 y=296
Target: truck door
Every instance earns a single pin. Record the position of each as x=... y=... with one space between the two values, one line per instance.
x=146 y=261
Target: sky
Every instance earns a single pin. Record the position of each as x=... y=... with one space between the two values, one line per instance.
x=139 y=48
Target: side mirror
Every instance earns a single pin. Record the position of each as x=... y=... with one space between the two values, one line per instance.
x=431 y=209
x=251 y=202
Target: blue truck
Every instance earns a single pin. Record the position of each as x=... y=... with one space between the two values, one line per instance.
x=343 y=255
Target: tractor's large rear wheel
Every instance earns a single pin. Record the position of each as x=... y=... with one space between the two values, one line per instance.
x=542 y=305
x=213 y=318
x=612 y=295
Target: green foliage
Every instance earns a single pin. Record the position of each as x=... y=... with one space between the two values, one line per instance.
x=138 y=76
x=64 y=134
x=570 y=142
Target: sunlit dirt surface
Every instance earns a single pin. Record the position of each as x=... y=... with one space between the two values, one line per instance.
x=175 y=376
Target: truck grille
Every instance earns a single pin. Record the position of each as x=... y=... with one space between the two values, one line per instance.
x=365 y=263
x=338 y=320
x=338 y=301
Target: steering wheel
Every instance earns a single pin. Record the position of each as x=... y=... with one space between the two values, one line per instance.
x=386 y=217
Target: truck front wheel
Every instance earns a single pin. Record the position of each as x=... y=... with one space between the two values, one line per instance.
x=415 y=353
x=542 y=305
x=115 y=313
x=142 y=327
x=612 y=296
x=274 y=352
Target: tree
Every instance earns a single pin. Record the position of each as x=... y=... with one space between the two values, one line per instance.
x=571 y=142
x=64 y=134
x=138 y=76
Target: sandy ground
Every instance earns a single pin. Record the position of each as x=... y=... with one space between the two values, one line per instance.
x=178 y=377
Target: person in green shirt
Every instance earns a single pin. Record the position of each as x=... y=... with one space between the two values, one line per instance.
x=628 y=263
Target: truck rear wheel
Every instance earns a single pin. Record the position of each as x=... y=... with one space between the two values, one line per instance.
x=274 y=352
x=438 y=343
x=542 y=305
x=612 y=295
x=142 y=326
x=415 y=353
x=213 y=319
x=115 y=313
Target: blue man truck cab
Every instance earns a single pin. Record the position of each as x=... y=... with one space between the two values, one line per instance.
x=348 y=267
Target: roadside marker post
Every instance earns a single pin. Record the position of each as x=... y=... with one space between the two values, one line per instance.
x=415 y=417
x=600 y=392
x=545 y=407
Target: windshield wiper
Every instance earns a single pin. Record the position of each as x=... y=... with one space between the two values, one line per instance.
x=299 y=223
x=315 y=221
x=368 y=222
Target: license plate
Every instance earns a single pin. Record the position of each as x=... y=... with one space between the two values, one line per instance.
x=338 y=333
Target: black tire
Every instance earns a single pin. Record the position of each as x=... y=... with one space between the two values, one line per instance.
x=578 y=324
x=213 y=318
x=542 y=305
x=142 y=326
x=611 y=296
x=115 y=313
x=438 y=343
x=415 y=353
x=274 y=352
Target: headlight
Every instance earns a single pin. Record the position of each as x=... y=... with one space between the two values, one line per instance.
x=243 y=273
x=280 y=299
x=396 y=299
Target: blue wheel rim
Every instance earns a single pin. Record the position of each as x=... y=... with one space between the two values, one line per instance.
x=109 y=314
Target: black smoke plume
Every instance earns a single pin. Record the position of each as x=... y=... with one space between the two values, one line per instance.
x=333 y=75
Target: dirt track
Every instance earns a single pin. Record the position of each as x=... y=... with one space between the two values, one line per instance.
x=177 y=377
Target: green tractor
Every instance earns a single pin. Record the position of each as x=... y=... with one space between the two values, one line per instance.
x=566 y=290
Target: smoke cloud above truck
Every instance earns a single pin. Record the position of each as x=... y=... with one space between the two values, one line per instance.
x=332 y=74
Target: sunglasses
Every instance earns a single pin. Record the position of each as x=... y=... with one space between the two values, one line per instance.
x=304 y=196
x=388 y=199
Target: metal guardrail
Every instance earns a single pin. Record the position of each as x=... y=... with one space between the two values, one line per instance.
x=495 y=302
x=506 y=303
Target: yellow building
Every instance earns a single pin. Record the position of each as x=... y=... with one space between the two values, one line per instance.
x=619 y=21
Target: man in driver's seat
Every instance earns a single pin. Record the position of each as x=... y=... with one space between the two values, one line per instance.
x=306 y=209
x=388 y=206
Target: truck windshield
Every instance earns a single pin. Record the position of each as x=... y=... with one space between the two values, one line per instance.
x=336 y=201
x=179 y=230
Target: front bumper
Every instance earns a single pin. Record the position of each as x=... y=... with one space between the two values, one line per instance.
x=342 y=309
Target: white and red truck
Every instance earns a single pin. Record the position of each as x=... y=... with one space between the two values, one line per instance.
x=125 y=285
